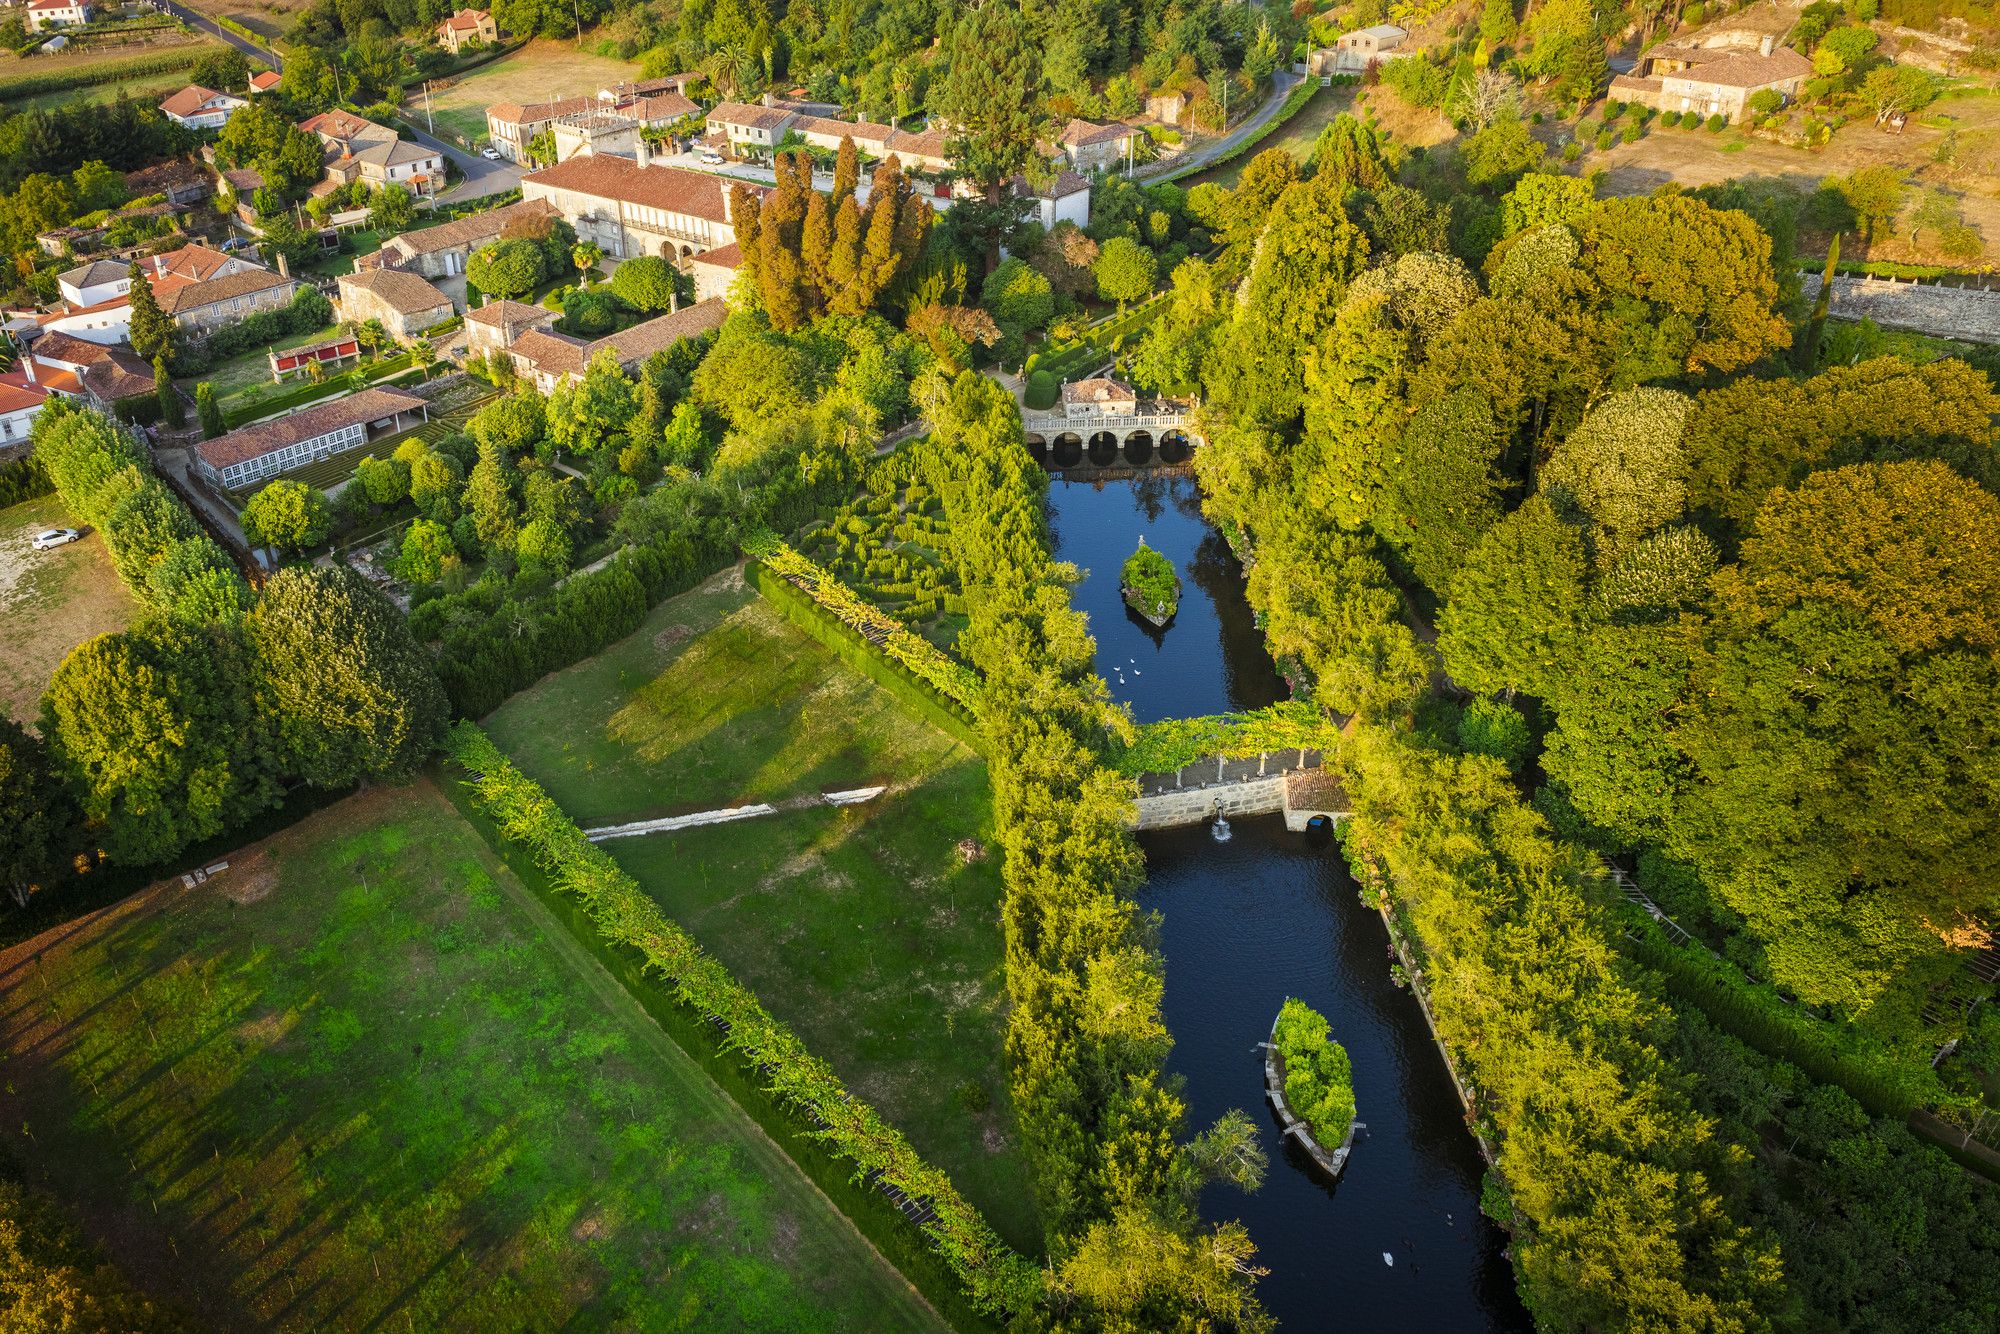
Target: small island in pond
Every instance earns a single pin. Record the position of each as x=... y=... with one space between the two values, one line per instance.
x=1317 y=1083
x=1150 y=586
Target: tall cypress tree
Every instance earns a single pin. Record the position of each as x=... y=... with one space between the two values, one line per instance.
x=172 y=411
x=150 y=331
x=208 y=410
x=843 y=263
x=780 y=272
x=846 y=171
x=816 y=252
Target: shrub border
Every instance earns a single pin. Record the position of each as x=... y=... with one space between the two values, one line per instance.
x=995 y=1279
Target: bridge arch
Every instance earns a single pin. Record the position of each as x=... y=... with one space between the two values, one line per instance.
x=1038 y=448
x=1067 y=450
x=1103 y=448
x=1138 y=448
x=1175 y=447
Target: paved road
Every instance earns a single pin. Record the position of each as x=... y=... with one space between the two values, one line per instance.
x=1282 y=84
x=481 y=176
x=208 y=25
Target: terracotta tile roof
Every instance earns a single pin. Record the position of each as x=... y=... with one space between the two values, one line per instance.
x=690 y=193
x=342 y=124
x=59 y=346
x=556 y=353
x=931 y=143
x=750 y=117
x=244 y=180
x=1083 y=133
x=123 y=376
x=189 y=100
x=661 y=106
x=265 y=80
x=1101 y=389
x=404 y=293
x=250 y=442
x=536 y=113
x=505 y=315
x=1066 y=183
x=190 y=261
x=394 y=153
x=184 y=297
x=722 y=257
x=164 y=176
x=60 y=382
x=861 y=131
x=559 y=354
x=474 y=230
x=1734 y=69
x=70 y=308
x=657 y=335
x=466 y=20
x=15 y=394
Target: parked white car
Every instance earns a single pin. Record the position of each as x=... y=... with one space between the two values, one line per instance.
x=51 y=538
x=490 y=153
x=711 y=159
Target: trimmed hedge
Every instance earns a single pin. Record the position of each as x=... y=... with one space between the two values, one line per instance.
x=1756 y=1016
x=18 y=86
x=482 y=664
x=852 y=649
x=997 y=1280
x=1163 y=747
x=23 y=479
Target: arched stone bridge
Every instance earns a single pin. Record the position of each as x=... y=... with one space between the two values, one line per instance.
x=1156 y=435
x=1288 y=781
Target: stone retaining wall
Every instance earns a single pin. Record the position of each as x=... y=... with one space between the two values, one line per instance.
x=1258 y=796
x=1969 y=314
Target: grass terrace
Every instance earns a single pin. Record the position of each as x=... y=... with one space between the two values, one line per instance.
x=541 y=71
x=363 y=1080
x=50 y=601
x=861 y=927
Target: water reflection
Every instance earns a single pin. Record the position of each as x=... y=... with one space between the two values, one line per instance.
x=1269 y=914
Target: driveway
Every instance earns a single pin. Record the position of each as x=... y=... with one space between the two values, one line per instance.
x=481 y=176
x=208 y=25
x=1282 y=84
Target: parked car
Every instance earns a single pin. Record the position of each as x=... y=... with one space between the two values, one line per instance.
x=50 y=538
x=490 y=153
x=711 y=159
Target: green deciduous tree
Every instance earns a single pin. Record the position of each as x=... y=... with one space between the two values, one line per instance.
x=1125 y=271
x=1519 y=606
x=346 y=690
x=154 y=731
x=644 y=282
x=507 y=268
x=208 y=411
x=288 y=515
x=39 y=816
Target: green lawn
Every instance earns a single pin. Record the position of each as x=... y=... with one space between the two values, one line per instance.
x=50 y=601
x=363 y=1080
x=247 y=369
x=861 y=927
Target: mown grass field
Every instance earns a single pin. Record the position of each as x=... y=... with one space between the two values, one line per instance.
x=362 y=1080
x=862 y=927
x=541 y=71
x=50 y=601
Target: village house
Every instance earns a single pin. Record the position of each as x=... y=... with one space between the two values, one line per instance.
x=467 y=27
x=96 y=299
x=715 y=270
x=340 y=128
x=511 y=127
x=264 y=80
x=405 y=304
x=547 y=358
x=359 y=149
x=623 y=93
x=1066 y=199
x=442 y=251
x=183 y=181
x=60 y=363
x=494 y=326
x=20 y=399
x=200 y=108
x=1712 y=80
x=594 y=132
x=99 y=280
x=1091 y=147
x=252 y=453
x=1102 y=396
x=632 y=207
x=46 y=14
x=750 y=131
x=1354 y=52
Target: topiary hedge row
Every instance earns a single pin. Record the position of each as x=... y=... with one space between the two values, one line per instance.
x=995 y=1278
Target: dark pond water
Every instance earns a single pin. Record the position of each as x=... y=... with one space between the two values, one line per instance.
x=1266 y=915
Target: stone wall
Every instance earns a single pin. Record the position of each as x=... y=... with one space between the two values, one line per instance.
x=1257 y=796
x=1969 y=314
